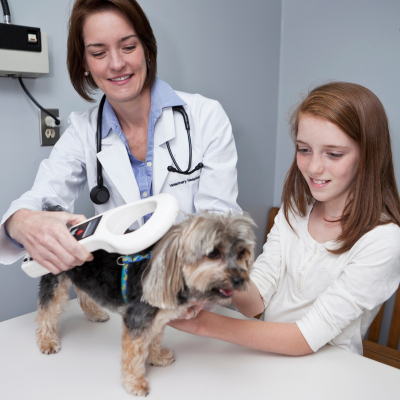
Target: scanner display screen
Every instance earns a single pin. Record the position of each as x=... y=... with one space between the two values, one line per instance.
x=85 y=229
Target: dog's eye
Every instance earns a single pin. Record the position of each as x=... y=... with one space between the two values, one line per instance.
x=214 y=254
x=241 y=255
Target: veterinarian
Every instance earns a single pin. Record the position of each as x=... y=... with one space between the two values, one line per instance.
x=333 y=256
x=111 y=47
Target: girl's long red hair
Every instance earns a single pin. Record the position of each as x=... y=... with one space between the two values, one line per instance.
x=374 y=199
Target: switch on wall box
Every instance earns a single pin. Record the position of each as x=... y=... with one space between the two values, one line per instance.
x=23 y=51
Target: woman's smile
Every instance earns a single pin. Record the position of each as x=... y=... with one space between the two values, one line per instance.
x=121 y=80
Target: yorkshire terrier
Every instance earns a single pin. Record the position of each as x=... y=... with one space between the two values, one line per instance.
x=204 y=257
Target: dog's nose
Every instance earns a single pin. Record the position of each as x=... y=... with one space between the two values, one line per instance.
x=237 y=281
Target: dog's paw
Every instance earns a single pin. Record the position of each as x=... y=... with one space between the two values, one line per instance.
x=161 y=358
x=47 y=341
x=49 y=347
x=137 y=387
x=98 y=317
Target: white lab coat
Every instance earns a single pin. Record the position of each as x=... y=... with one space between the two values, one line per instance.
x=72 y=163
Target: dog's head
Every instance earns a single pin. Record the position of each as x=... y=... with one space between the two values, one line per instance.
x=204 y=257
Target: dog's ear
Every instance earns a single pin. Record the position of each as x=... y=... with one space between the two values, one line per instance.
x=164 y=279
x=242 y=225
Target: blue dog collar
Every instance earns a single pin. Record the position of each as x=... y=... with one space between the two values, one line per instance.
x=126 y=260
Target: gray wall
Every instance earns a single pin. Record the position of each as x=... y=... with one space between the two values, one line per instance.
x=355 y=41
x=223 y=49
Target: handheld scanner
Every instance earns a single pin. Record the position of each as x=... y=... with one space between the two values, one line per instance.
x=107 y=231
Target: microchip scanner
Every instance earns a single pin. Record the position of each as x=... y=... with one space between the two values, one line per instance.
x=107 y=231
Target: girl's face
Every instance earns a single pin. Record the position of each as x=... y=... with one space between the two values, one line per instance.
x=114 y=55
x=328 y=159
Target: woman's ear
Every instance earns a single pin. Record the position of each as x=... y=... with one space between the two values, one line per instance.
x=164 y=279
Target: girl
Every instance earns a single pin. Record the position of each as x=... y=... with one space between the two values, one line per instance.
x=333 y=256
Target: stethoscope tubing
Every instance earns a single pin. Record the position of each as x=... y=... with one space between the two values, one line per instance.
x=182 y=111
x=98 y=139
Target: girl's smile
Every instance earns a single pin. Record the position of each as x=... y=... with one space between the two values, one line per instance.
x=319 y=183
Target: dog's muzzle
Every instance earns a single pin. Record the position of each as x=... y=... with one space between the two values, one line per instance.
x=237 y=282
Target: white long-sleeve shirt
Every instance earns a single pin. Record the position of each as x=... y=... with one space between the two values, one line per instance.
x=332 y=298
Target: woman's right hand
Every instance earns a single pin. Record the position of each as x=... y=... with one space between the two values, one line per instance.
x=47 y=239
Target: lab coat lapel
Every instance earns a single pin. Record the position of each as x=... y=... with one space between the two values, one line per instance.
x=115 y=161
x=161 y=162
x=164 y=131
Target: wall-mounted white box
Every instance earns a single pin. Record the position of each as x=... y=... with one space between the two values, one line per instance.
x=25 y=64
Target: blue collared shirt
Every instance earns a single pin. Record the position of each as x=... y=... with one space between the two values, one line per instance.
x=162 y=96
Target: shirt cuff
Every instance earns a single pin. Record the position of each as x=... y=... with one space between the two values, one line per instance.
x=317 y=327
x=8 y=235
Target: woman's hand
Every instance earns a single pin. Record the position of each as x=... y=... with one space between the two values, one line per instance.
x=47 y=239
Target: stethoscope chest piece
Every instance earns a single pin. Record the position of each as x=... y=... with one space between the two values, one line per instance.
x=99 y=195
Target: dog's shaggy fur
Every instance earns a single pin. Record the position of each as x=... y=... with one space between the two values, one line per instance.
x=205 y=257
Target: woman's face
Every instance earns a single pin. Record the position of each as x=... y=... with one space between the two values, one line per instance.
x=114 y=55
x=328 y=159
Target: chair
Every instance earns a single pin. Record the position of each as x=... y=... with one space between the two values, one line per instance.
x=273 y=212
x=389 y=354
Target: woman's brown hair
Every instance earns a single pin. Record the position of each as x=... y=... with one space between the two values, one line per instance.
x=374 y=198
x=85 y=86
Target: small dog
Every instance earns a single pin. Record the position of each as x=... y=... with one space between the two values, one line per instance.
x=204 y=257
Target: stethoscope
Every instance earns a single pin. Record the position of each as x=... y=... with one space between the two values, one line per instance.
x=100 y=194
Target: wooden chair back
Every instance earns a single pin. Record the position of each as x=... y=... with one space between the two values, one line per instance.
x=389 y=354
x=271 y=217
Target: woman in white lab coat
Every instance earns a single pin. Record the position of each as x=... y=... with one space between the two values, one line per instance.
x=111 y=46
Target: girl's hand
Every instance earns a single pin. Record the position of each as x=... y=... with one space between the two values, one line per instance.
x=47 y=239
x=192 y=325
x=193 y=309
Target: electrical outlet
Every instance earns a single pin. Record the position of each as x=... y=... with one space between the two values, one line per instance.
x=48 y=135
